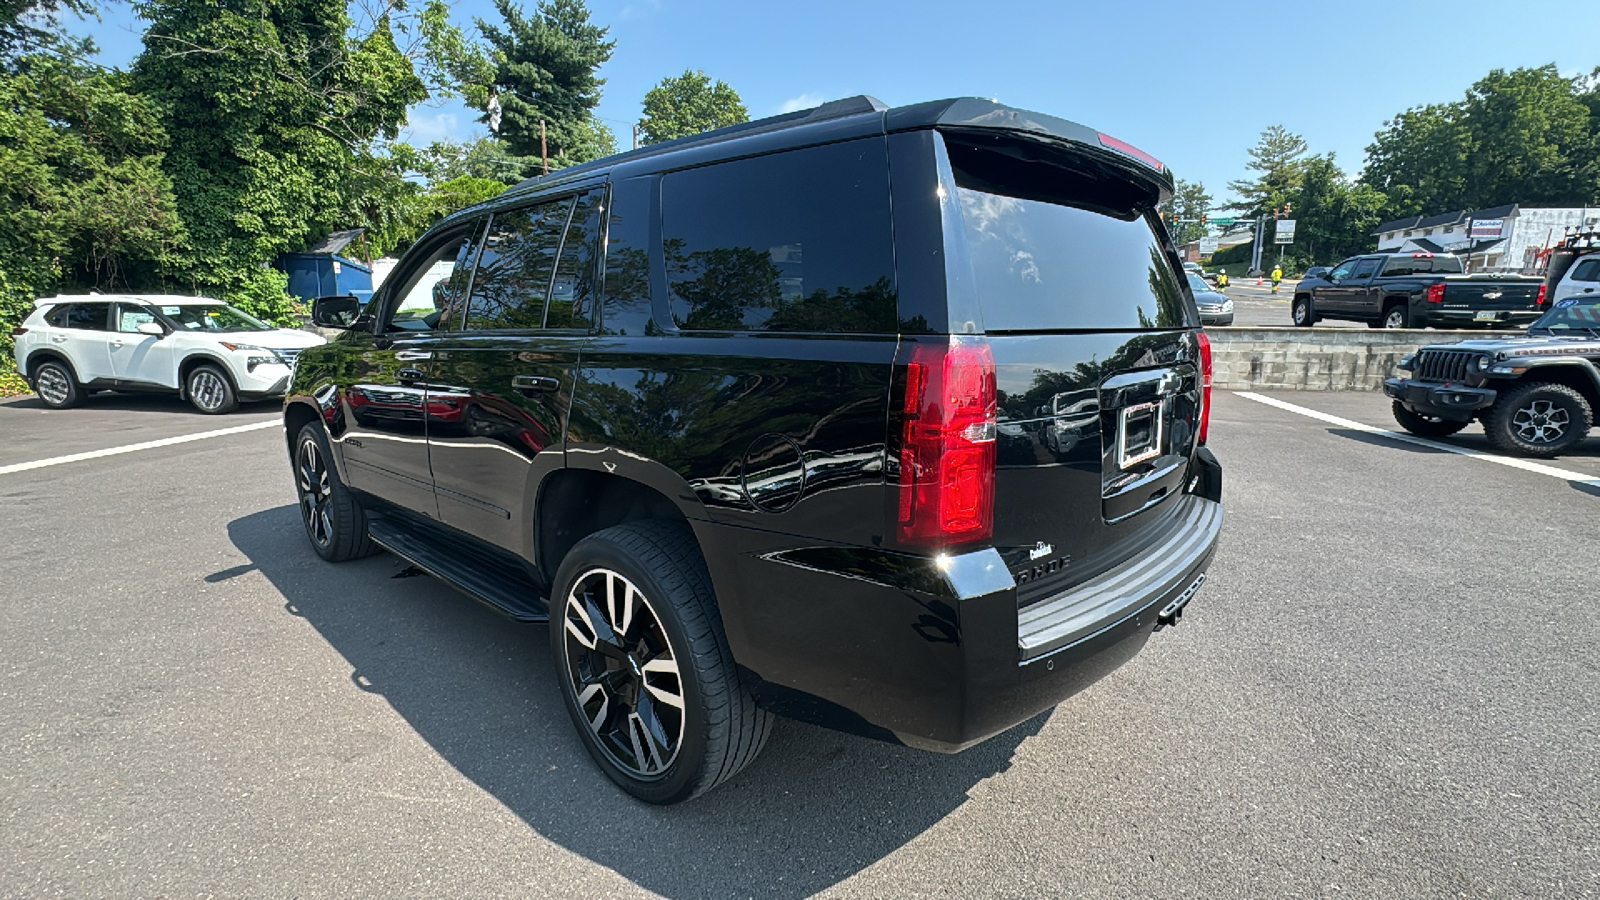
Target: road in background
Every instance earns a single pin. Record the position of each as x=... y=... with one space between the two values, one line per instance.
x=1384 y=690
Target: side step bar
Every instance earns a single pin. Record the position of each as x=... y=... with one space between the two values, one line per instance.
x=499 y=583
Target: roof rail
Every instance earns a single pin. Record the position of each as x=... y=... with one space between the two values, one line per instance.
x=833 y=109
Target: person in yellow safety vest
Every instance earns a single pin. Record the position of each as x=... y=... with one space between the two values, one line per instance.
x=1277 y=276
x=1222 y=280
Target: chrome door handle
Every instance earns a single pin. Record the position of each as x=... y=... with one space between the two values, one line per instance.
x=410 y=355
x=535 y=383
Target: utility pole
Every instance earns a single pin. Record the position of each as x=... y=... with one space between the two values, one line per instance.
x=636 y=135
x=544 y=154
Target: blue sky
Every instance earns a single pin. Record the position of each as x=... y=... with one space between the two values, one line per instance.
x=1194 y=84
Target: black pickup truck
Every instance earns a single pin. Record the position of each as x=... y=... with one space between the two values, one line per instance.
x=1416 y=290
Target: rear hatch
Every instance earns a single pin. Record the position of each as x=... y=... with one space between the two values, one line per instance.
x=1095 y=346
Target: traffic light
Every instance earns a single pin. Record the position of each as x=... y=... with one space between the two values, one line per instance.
x=1286 y=210
x=1203 y=218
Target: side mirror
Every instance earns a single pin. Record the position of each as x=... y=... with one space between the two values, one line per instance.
x=150 y=328
x=335 y=312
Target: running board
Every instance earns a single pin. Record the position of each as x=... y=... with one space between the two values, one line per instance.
x=468 y=568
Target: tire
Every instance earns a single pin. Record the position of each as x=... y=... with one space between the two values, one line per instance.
x=1304 y=315
x=1538 y=419
x=56 y=386
x=1395 y=317
x=660 y=708
x=211 y=391
x=1425 y=426
x=334 y=522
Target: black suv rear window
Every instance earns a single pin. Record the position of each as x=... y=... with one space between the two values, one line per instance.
x=1056 y=246
x=795 y=241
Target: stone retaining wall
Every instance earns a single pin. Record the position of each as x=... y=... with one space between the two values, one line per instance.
x=1316 y=359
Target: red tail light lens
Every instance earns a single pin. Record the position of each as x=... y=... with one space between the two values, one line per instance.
x=1205 y=384
x=1435 y=293
x=947 y=451
x=1538 y=299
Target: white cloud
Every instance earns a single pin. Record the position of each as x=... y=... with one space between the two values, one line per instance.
x=422 y=130
x=804 y=101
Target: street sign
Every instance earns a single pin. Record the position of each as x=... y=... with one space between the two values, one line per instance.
x=1487 y=228
x=1284 y=233
x=1208 y=246
x=1223 y=221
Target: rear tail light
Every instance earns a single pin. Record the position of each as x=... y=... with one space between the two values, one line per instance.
x=1538 y=299
x=1205 y=384
x=19 y=331
x=1435 y=293
x=947 y=451
x=1128 y=149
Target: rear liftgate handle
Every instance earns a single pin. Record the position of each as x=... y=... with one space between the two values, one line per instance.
x=533 y=384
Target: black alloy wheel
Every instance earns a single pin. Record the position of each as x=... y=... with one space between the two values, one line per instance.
x=623 y=672
x=644 y=665
x=334 y=521
x=56 y=386
x=1425 y=426
x=1304 y=316
x=1538 y=419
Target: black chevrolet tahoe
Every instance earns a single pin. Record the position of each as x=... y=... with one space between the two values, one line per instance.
x=1535 y=395
x=771 y=420
x=1416 y=290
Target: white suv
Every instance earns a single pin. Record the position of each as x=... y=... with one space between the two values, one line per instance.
x=1582 y=278
x=205 y=350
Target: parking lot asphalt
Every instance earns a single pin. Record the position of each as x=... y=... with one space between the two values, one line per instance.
x=1386 y=689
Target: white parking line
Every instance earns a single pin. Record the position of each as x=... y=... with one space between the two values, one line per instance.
x=131 y=448
x=1523 y=464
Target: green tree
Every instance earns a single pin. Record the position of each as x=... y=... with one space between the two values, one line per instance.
x=1526 y=136
x=545 y=69
x=271 y=105
x=1189 y=201
x=28 y=26
x=1277 y=159
x=688 y=104
x=1334 y=218
x=85 y=203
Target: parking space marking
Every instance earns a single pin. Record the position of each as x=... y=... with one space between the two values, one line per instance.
x=1523 y=464
x=132 y=448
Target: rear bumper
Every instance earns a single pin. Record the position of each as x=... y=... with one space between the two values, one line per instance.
x=1454 y=402
x=934 y=653
x=1467 y=318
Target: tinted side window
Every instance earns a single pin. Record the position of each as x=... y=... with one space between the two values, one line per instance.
x=85 y=316
x=1342 y=270
x=512 y=280
x=796 y=241
x=1588 y=270
x=572 y=292
x=627 y=286
x=1365 y=268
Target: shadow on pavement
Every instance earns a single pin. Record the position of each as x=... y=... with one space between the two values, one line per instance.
x=815 y=808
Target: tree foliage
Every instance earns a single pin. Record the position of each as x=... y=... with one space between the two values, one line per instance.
x=688 y=104
x=28 y=26
x=84 y=201
x=1277 y=158
x=271 y=106
x=1334 y=218
x=1189 y=201
x=545 y=69
x=1526 y=136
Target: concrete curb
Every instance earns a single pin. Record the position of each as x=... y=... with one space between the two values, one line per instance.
x=1317 y=359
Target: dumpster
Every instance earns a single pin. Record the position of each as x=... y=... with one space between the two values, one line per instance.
x=324 y=271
